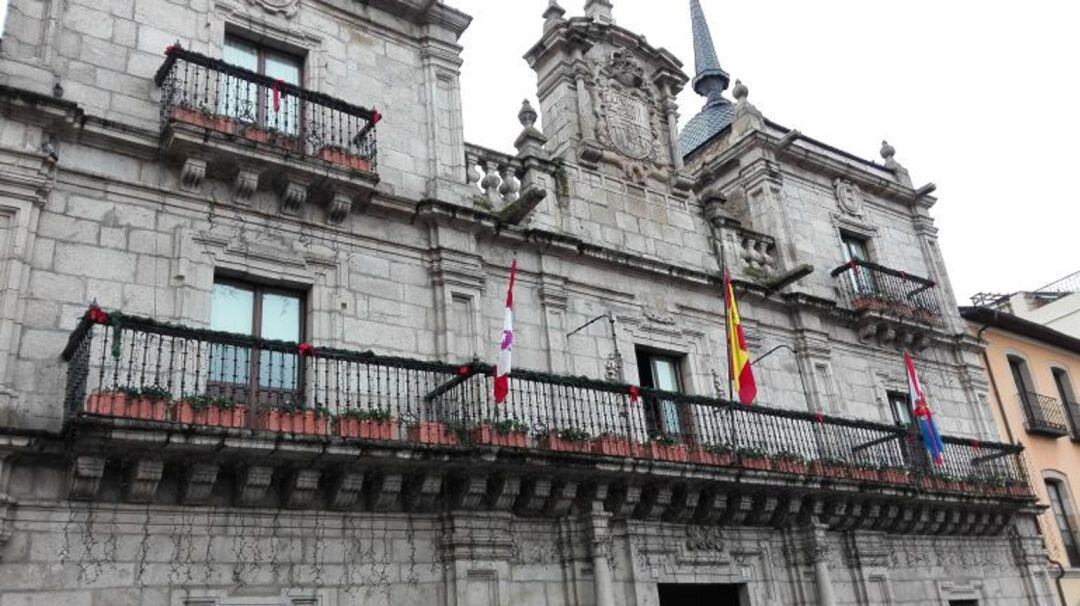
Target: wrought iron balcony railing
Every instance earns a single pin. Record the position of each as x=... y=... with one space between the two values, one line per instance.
x=1044 y=414
x=148 y=372
x=229 y=101
x=1072 y=410
x=869 y=287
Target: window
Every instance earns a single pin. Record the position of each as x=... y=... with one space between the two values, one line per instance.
x=900 y=405
x=250 y=373
x=963 y=602
x=1063 y=517
x=857 y=249
x=661 y=371
x=1022 y=379
x=1068 y=399
x=249 y=102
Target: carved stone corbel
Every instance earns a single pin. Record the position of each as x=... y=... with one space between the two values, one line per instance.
x=422 y=492
x=244 y=184
x=192 y=173
x=385 y=489
x=346 y=489
x=468 y=492
x=534 y=495
x=711 y=506
x=503 y=492
x=143 y=478
x=561 y=498
x=623 y=500
x=293 y=194
x=252 y=484
x=683 y=504
x=655 y=500
x=86 y=473
x=199 y=482
x=302 y=487
x=338 y=207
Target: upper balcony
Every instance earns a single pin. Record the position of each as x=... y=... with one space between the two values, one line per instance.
x=223 y=121
x=888 y=304
x=1043 y=415
x=419 y=435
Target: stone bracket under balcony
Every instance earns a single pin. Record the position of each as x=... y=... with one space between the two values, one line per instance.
x=252 y=470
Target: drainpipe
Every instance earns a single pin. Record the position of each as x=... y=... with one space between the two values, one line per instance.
x=1057 y=579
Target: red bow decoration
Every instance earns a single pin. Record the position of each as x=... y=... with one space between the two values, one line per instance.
x=277 y=95
x=376 y=117
x=463 y=371
x=975 y=445
x=172 y=48
x=820 y=416
x=852 y=264
x=97 y=315
x=306 y=350
x=633 y=394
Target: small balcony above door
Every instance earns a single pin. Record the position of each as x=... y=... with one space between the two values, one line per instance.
x=222 y=121
x=888 y=304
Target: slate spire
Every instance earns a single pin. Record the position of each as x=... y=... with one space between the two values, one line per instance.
x=710 y=80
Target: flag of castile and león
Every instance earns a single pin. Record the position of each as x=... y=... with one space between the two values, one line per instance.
x=502 y=367
x=923 y=416
x=738 y=353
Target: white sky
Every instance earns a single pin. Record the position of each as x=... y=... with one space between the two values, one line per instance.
x=978 y=97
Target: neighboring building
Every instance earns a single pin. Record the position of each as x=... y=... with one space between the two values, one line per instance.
x=1034 y=373
x=278 y=403
x=1056 y=305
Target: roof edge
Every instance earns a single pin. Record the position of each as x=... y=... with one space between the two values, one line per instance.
x=1019 y=326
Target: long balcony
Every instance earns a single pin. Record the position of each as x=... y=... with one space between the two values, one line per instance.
x=223 y=121
x=192 y=393
x=1043 y=415
x=888 y=304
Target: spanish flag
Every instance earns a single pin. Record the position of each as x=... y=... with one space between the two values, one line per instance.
x=738 y=352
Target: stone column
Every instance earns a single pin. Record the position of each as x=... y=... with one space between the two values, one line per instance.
x=817 y=553
x=605 y=592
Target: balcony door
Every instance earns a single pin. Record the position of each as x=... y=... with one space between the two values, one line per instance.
x=251 y=372
x=858 y=249
x=254 y=104
x=661 y=371
x=1068 y=399
x=1024 y=391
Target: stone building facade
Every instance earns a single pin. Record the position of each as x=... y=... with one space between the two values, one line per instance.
x=273 y=212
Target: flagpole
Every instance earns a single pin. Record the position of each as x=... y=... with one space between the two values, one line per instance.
x=727 y=336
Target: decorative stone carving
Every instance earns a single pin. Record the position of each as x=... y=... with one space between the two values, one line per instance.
x=346 y=489
x=711 y=507
x=143 y=477
x=628 y=114
x=384 y=491
x=534 y=495
x=849 y=196
x=468 y=492
x=704 y=538
x=660 y=318
x=253 y=483
x=192 y=173
x=422 y=492
x=282 y=7
x=655 y=501
x=86 y=473
x=293 y=196
x=503 y=492
x=198 y=483
x=561 y=498
x=302 y=487
x=338 y=208
x=816 y=546
x=683 y=504
x=244 y=185
x=613 y=368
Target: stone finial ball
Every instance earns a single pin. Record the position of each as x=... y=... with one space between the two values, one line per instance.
x=887 y=151
x=740 y=91
x=527 y=116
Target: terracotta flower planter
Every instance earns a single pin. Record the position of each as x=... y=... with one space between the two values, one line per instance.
x=828 y=470
x=195 y=117
x=274 y=420
x=864 y=475
x=716 y=459
x=111 y=403
x=790 y=466
x=366 y=429
x=678 y=453
x=760 y=464
x=432 y=432
x=486 y=434
x=306 y=422
x=613 y=446
x=894 y=476
x=263 y=136
x=552 y=441
x=344 y=159
x=146 y=409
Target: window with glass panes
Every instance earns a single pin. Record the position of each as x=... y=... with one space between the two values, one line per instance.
x=900 y=403
x=661 y=371
x=252 y=372
x=857 y=248
x=1063 y=518
x=268 y=107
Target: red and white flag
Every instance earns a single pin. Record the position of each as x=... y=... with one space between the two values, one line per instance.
x=502 y=367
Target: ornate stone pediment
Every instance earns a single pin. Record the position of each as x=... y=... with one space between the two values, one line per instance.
x=285 y=7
